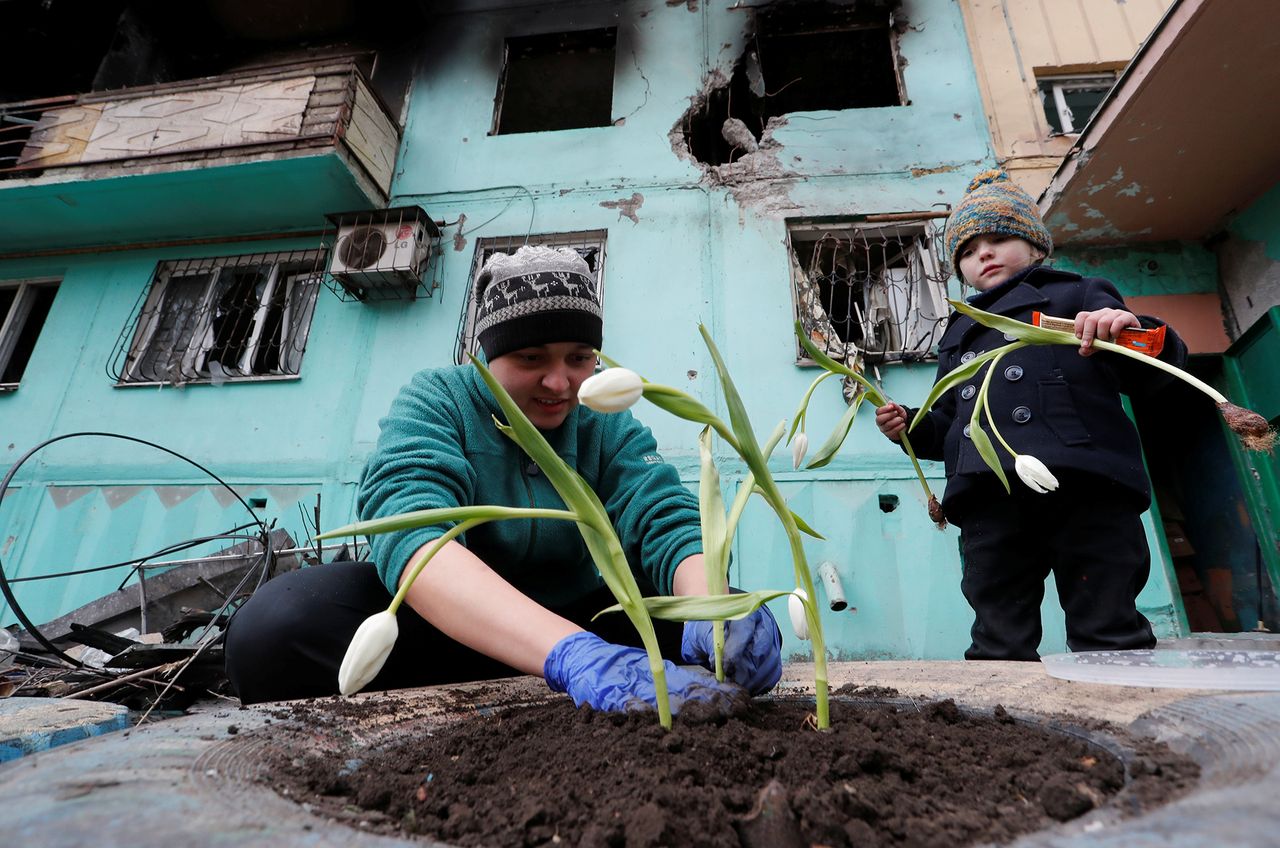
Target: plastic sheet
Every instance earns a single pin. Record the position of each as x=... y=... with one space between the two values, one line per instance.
x=1164 y=669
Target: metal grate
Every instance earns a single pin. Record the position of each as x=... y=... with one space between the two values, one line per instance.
x=214 y=320
x=870 y=292
x=382 y=254
x=589 y=245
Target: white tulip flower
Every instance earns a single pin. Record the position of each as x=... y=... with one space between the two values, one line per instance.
x=612 y=390
x=367 y=652
x=1034 y=473
x=799 y=621
x=799 y=447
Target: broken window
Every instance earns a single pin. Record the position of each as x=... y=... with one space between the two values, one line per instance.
x=801 y=57
x=213 y=320
x=875 y=291
x=24 y=306
x=559 y=81
x=1070 y=101
x=589 y=245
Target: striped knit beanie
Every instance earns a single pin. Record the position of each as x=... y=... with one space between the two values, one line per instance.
x=539 y=295
x=994 y=204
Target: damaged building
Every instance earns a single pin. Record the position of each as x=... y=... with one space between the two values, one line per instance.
x=235 y=230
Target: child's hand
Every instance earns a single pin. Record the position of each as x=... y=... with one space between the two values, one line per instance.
x=892 y=420
x=1103 y=325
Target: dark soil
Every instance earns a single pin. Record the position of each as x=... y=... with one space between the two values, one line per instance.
x=926 y=774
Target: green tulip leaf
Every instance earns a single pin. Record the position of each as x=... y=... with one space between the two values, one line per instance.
x=1020 y=330
x=959 y=375
x=704 y=607
x=443 y=515
x=803 y=527
x=679 y=404
x=823 y=455
x=987 y=451
x=802 y=410
x=747 y=446
x=715 y=533
x=818 y=356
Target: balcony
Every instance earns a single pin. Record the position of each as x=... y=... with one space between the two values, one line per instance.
x=262 y=151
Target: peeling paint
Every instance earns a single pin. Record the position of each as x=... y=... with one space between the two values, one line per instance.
x=1114 y=179
x=1131 y=190
x=459 y=240
x=941 y=169
x=626 y=207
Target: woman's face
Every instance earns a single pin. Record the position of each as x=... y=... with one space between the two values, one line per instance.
x=543 y=380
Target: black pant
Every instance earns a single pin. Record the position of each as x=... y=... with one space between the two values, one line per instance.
x=1089 y=536
x=288 y=640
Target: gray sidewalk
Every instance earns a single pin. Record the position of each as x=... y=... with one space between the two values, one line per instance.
x=192 y=780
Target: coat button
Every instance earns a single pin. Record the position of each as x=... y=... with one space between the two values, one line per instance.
x=1013 y=373
x=532 y=469
x=966 y=431
x=968 y=392
x=967 y=356
x=1021 y=414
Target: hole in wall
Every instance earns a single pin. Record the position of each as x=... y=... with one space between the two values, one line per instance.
x=798 y=57
x=888 y=503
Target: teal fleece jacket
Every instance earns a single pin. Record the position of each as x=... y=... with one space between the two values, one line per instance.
x=439 y=447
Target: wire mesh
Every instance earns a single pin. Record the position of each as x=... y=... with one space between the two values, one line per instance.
x=382 y=254
x=870 y=293
x=218 y=319
x=589 y=245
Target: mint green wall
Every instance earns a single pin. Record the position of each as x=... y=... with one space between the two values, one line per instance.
x=696 y=252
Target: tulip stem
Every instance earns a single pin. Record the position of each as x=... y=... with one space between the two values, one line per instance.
x=1209 y=390
x=418 y=563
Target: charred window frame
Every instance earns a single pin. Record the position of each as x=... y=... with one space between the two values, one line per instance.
x=556 y=81
x=1070 y=100
x=867 y=290
x=24 y=308
x=588 y=244
x=232 y=318
x=817 y=56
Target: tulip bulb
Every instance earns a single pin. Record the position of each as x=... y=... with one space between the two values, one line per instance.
x=799 y=621
x=367 y=652
x=613 y=390
x=1034 y=473
x=799 y=447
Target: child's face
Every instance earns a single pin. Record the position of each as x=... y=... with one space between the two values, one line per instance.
x=988 y=260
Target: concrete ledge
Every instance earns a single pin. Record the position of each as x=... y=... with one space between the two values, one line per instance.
x=28 y=725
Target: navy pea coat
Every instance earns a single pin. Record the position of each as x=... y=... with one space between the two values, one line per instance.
x=1047 y=400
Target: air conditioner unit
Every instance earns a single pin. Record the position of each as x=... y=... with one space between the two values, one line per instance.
x=382 y=254
x=366 y=250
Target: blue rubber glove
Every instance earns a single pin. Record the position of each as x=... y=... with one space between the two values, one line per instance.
x=752 y=649
x=616 y=678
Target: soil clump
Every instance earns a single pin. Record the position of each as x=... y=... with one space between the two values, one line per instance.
x=909 y=774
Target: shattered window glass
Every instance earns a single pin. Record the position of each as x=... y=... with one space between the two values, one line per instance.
x=588 y=245
x=1069 y=102
x=24 y=307
x=213 y=320
x=875 y=293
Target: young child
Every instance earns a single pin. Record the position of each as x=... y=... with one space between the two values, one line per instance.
x=1058 y=404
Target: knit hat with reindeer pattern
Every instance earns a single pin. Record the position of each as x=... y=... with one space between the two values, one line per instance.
x=994 y=204
x=539 y=295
